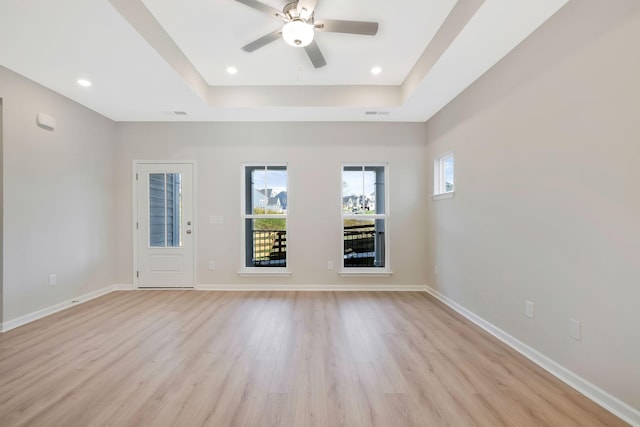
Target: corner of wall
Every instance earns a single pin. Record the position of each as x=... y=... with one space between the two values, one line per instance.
x=56 y=212
x=1 y=217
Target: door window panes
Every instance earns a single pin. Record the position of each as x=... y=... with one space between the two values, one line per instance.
x=165 y=210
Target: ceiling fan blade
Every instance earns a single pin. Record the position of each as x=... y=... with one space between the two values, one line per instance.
x=274 y=13
x=350 y=27
x=264 y=40
x=315 y=55
x=306 y=8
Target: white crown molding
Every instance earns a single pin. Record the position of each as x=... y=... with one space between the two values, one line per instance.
x=593 y=392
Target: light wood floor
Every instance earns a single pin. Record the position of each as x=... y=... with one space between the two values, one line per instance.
x=188 y=358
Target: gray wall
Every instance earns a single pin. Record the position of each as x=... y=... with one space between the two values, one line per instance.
x=314 y=153
x=547 y=209
x=1 y=214
x=58 y=198
x=547 y=205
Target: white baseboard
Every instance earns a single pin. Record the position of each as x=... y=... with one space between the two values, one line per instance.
x=344 y=288
x=23 y=320
x=601 y=397
x=614 y=405
x=27 y=318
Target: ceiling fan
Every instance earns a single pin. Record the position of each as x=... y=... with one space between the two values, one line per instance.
x=300 y=26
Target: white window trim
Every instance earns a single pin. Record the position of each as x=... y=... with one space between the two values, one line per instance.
x=265 y=271
x=364 y=272
x=260 y=271
x=367 y=271
x=443 y=196
x=439 y=190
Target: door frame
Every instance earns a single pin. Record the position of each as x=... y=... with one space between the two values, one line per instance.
x=134 y=217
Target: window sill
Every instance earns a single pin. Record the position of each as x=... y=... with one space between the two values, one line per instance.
x=273 y=272
x=379 y=272
x=443 y=196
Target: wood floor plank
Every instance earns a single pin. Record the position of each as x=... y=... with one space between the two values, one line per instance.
x=274 y=359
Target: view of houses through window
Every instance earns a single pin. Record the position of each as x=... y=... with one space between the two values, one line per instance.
x=364 y=216
x=265 y=216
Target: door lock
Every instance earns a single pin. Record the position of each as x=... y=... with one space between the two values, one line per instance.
x=188 y=231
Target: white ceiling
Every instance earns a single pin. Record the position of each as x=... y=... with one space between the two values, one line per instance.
x=149 y=58
x=211 y=33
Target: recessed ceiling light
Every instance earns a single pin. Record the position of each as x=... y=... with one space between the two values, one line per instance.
x=84 y=82
x=232 y=70
x=376 y=70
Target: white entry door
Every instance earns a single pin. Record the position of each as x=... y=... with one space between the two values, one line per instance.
x=165 y=230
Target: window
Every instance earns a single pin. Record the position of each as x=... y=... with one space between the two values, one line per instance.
x=264 y=214
x=165 y=210
x=443 y=175
x=364 y=217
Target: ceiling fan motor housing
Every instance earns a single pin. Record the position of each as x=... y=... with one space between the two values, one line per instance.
x=300 y=26
x=291 y=11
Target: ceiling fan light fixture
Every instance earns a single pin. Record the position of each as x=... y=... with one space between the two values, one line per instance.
x=298 y=33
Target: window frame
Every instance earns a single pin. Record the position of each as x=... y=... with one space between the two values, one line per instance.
x=250 y=270
x=439 y=182
x=176 y=225
x=367 y=271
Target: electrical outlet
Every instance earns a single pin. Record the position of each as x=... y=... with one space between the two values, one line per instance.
x=529 y=309
x=575 y=329
x=212 y=265
x=330 y=265
x=52 y=279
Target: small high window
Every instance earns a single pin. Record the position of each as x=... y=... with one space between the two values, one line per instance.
x=443 y=182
